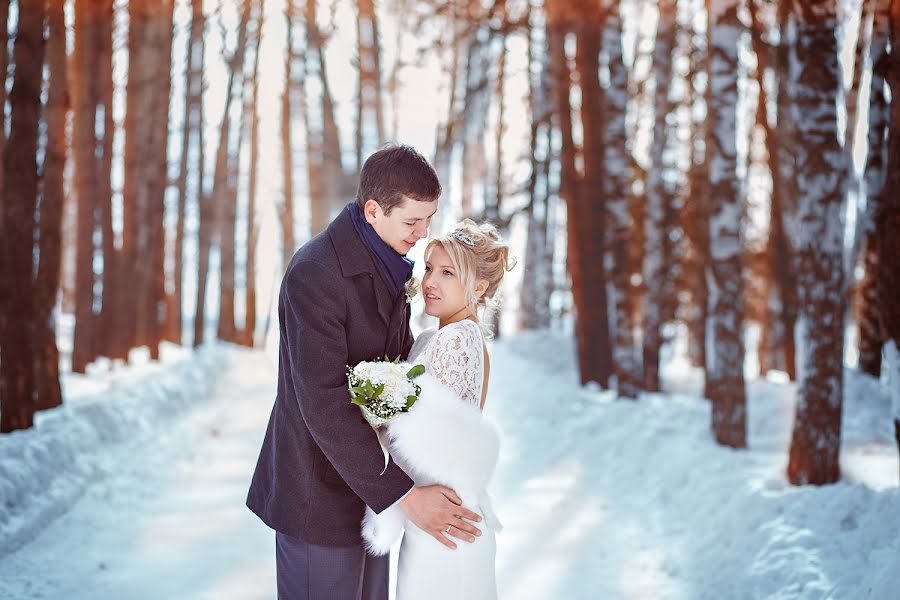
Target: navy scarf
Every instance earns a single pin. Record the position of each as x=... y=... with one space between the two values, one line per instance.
x=394 y=268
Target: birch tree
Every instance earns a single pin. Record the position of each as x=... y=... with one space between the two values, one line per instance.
x=816 y=439
x=725 y=353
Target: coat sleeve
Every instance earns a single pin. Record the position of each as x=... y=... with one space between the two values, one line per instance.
x=317 y=350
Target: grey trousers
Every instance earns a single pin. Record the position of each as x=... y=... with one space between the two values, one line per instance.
x=309 y=572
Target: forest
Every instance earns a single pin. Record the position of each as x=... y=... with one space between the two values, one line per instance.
x=719 y=176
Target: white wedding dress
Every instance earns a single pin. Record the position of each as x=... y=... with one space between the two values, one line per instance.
x=449 y=438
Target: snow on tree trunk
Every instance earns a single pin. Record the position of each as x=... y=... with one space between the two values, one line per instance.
x=46 y=352
x=871 y=337
x=725 y=350
x=816 y=439
x=655 y=224
x=616 y=179
x=18 y=206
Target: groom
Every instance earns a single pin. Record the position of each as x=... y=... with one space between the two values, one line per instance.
x=343 y=301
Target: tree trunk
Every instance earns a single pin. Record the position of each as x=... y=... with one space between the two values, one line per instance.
x=616 y=180
x=252 y=227
x=292 y=83
x=476 y=104
x=369 y=114
x=46 y=353
x=592 y=216
x=871 y=336
x=323 y=148
x=569 y=185
x=537 y=281
x=655 y=231
x=815 y=444
x=226 y=189
x=19 y=202
x=88 y=31
x=888 y=227
x=114 y=312
x=725 y=356
x=5 y=274
x=193 y=114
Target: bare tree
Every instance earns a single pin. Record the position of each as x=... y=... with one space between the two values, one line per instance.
x=19 y=203
x=815 y=444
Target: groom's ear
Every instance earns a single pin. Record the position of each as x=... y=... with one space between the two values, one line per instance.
x=372 y=211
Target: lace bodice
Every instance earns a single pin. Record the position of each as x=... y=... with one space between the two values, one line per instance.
x=454 y=355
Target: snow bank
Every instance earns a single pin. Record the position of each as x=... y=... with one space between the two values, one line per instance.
x=640 y=495
x=45 y=469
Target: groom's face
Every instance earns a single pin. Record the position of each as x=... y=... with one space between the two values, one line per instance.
x=407 y=223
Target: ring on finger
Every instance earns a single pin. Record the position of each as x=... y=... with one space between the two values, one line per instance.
x=448 y=529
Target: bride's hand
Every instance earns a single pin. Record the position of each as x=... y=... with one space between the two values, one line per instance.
x=438 y=511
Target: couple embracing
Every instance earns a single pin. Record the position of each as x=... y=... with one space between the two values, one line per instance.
x=322 y=481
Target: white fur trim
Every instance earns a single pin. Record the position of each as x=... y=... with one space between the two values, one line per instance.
x=441 y=439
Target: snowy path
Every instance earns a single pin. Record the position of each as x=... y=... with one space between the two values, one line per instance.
x=172 y=522
x=600 y=499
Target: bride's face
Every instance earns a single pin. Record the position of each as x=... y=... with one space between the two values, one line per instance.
x=443 y=291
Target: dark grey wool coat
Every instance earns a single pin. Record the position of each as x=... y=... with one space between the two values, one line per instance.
x=320 y=461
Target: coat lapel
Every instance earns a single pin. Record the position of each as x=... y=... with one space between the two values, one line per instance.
x=355 y=259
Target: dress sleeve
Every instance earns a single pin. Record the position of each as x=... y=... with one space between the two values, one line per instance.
x=455 y=360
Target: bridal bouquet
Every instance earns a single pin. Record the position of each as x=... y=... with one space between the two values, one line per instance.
x=383 y=388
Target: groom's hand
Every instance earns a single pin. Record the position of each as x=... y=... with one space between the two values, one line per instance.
x=438 y=511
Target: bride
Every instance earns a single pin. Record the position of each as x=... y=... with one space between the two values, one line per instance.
x=444 y=439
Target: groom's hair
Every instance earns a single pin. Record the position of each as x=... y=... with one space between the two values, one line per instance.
x=393 y=172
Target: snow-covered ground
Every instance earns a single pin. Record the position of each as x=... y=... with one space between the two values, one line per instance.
x=135 y=488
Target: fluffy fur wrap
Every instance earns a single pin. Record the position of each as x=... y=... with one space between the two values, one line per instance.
x=444 y=440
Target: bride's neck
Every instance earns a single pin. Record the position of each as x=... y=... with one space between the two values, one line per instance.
x=456 y=317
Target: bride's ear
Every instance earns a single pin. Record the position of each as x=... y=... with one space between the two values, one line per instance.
x=481 y=287
x=371 y=211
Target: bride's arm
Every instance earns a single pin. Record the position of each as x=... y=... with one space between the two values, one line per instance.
x=455 y=359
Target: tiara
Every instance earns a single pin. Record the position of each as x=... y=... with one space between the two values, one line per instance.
x=462 y=237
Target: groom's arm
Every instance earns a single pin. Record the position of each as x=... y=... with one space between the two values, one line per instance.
x=317 y=351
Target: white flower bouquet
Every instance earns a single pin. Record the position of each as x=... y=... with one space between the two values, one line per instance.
x=383 y=388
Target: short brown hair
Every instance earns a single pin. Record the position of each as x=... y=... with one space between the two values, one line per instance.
x=396 y=171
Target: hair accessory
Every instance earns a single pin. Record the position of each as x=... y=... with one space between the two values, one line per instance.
x=462 y=237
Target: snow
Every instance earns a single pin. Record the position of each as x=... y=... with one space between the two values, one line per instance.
x=145 y=475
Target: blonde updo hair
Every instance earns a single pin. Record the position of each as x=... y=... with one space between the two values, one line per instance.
x=488 y=259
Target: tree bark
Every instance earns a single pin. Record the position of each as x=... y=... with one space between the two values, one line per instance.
x=46 y=352
x=193 y=123
x=871 y=335
x=292 y=83
x=88 y=15
x=616 y=179
x=725 y=354
x=655 y=230
x=816 y=439
x=592 y=215
x=19 y=202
